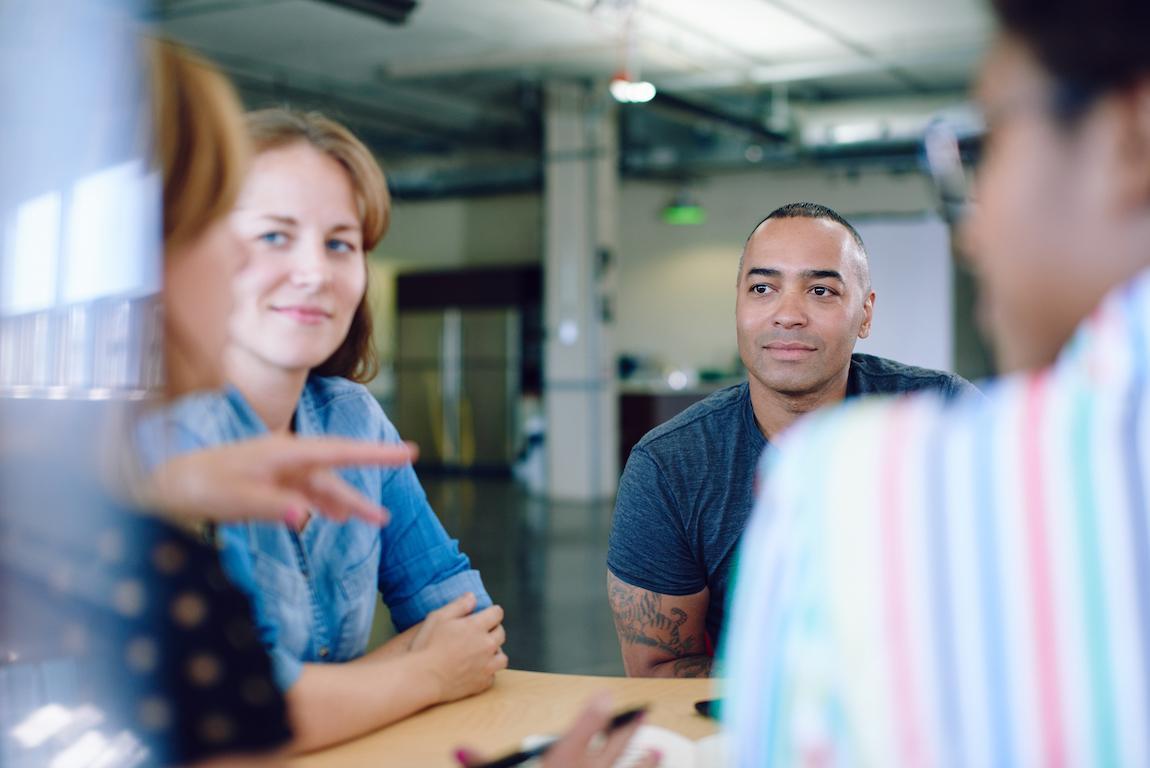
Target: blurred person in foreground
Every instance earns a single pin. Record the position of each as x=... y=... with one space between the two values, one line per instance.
x=128 y=623
x=973 y=586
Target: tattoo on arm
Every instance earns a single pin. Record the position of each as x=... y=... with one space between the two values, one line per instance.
x=640 y=619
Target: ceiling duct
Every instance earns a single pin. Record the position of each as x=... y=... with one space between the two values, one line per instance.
x=391 y=11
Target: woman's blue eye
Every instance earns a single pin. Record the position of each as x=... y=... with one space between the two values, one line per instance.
x=274 y=238
x=340 y=246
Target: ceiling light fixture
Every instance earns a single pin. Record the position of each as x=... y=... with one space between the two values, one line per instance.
x=626 y=86
x=627 y=91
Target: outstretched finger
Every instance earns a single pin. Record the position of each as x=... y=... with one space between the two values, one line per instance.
x=336 y=499
x=303 y=453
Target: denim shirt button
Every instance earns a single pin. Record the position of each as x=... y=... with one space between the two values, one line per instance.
x=324 y=652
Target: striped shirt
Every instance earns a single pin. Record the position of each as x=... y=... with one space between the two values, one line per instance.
x=925 y=584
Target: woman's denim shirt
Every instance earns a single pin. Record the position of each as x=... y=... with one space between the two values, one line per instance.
x=313 y=593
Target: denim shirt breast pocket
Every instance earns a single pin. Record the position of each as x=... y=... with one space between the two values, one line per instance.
x=358 y=587
x=285 y=598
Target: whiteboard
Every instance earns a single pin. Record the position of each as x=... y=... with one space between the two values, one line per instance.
x=910 y=264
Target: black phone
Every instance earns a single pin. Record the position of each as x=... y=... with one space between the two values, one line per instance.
x=709 y=708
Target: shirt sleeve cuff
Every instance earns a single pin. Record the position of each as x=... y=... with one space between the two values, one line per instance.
x=415 y=609
x=285 y=668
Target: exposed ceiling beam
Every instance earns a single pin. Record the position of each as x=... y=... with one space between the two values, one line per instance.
x=389 y=11
x=409 y=130
x=170 y=10
x=821 y=69
x=699 y=111
x=509 y=59
x=860 y=59
x=460 y=123
x=606 y=54
x=418 y=101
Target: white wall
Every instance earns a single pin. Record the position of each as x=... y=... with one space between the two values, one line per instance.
x=507 y=229
x=910 y=268
x=676 y=285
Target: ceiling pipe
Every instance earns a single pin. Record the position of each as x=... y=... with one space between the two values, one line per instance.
x=673 y=104
x=823 y=69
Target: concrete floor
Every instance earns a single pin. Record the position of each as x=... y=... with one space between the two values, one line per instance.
x=545 y=563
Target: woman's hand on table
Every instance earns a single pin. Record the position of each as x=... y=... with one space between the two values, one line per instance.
x=578 y=747
x=276 y=477
x=460 y=650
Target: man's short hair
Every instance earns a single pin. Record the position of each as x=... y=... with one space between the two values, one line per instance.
x=810 y=211
x=807 y=210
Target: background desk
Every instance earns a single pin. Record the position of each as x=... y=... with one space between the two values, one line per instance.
x=519 y=704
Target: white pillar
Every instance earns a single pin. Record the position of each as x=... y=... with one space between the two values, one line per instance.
x=581 y=195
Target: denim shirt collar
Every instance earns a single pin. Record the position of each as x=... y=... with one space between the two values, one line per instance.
x=249 y=420
x=305 y=420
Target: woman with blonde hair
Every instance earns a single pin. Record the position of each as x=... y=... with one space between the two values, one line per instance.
x=293 y=195
x=204 y=151
x=218 y=675
x=314 y=204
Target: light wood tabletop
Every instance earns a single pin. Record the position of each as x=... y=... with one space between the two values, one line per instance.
x=520 y=704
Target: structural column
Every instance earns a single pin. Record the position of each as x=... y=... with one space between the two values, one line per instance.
x=581 y=196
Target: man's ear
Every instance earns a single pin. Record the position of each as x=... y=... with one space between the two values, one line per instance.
x=868 y=315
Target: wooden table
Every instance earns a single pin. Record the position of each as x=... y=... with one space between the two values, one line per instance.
x=520 y=704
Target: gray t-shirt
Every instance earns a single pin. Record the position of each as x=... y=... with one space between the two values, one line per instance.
x=688 y=487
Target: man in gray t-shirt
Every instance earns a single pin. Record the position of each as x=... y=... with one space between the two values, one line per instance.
x=804 y=299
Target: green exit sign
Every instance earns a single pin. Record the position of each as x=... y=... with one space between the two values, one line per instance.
x=684 y=215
